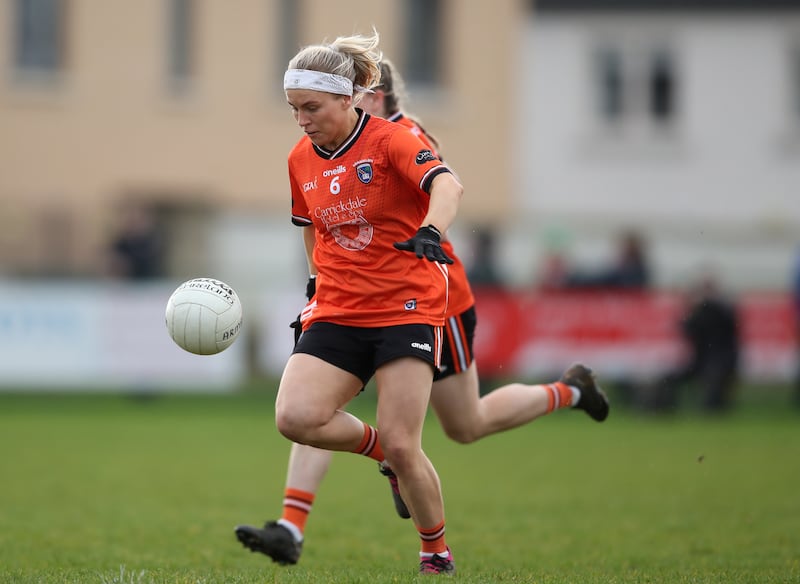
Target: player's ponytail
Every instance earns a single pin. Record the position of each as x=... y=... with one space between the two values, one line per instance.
x=394 y=96
x=393 y=87
x=363 y=59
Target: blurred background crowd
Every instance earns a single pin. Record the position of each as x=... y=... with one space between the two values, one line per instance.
x=633 y=198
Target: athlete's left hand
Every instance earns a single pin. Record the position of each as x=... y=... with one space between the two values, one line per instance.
x=426 y=242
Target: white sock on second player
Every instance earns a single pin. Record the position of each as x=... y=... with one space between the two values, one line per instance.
x=576 y=395
x=293 y=529
x=425 y=555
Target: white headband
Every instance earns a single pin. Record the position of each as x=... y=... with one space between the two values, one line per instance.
x=319 y=81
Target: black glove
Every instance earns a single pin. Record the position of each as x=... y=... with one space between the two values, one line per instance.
x=297 y=326
x=311 y=289
x=426 y=242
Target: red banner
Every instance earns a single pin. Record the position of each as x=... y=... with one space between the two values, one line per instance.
x=629 y=333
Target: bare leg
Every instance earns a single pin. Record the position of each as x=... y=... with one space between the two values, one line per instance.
x=307 y=409
x=307 y=467
x=404 y=391
x=467 y=417
x=307 y=412
x=282 y=540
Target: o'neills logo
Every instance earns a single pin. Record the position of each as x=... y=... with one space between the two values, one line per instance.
x=422 y=346
x=334 y=171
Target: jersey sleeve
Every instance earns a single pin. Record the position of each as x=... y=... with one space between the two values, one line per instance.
x=300 y=214
x=413 y=159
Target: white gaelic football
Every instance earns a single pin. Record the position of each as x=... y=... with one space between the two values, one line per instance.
x=204 y=316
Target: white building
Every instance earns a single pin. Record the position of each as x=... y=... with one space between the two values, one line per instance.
x=680 y=119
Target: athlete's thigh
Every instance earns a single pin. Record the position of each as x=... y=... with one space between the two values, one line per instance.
x=312 y=384
x=404 y=387
x=456 y=399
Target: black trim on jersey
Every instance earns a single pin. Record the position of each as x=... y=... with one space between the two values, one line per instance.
x=396 y=116
x=301 y=221
x=426 y=184
x=363 y=118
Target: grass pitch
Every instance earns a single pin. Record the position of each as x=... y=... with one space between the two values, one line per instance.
x=109 y=489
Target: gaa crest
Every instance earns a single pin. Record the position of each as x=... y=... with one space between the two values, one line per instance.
x=364 y=172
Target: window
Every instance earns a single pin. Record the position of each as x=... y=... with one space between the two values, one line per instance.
x=180 y=43
x=609 y=84
x=39 y=35
x=636 y=84
x=661 y=87
x=283 y=42
x=288 y=32
x=794 y=80
x=424 y=30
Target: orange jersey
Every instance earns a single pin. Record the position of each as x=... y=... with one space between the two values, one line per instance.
x=400 y=118
x=460 y=297
x=363 y=197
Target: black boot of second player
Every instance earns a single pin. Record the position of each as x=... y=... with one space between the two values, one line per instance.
x=593 y=400
x=399 y=504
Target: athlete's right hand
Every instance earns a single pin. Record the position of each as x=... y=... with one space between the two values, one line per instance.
x=426 y=242
x=311 y=289
x=297 y=327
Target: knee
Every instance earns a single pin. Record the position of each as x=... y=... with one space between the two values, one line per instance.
x=462 y=434
x=463 y=429
x=296 y=423
x=400 y=455
x=290 y=425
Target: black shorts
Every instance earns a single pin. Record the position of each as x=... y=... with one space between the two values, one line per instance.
x=361 y=351
x=459 y=331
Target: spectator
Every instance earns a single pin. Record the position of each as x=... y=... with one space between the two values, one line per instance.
x=710 y=328
x=483 y=269
x=629 y=270
x=137 y=250
x=553 y=274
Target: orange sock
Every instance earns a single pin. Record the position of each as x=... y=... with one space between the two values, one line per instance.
x=559 y=395
x=296 y=507
x=433 y=539
x=370 y=446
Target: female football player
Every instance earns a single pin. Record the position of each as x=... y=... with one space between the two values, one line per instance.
x=464 y=415
x=366 y=193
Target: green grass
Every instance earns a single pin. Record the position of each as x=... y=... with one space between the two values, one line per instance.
x=102 y=489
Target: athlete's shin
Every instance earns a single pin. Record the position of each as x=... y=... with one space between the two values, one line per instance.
x=420 y=488
x=307 y=467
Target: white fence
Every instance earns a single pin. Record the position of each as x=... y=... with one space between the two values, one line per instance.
x=101 y=337
x=112 y=337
